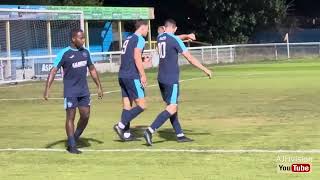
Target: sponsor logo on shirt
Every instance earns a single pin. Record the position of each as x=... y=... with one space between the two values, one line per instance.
x=84 y=54
x=72 y=56
x=79 y=64
x=162 y=38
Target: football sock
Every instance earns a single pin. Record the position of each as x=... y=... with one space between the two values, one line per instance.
x=128 y=116
x=176 y=124
x=160 y=120
x=78 y=133
x=71 y=141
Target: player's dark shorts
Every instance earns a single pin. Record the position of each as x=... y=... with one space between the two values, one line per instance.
x=73 y=102
x=131 y=88
x=169 y=92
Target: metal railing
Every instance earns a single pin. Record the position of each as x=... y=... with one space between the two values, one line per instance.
x=110 y=61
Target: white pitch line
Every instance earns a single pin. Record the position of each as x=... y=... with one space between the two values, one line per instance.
x=107 y=92
x=212 y=151
x=114 y=91
x=14 y=86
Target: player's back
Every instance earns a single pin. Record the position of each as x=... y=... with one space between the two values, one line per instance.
x=128 y=67
x=169 y=47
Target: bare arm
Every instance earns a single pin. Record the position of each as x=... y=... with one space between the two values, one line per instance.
x=192 y=60
x=49 y=82
x=187 y=37
x=96 y=79
x=138 y=62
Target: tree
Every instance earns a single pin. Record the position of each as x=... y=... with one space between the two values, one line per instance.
x=224 y=21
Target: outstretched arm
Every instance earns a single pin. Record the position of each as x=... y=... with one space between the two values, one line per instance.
x=192 y=60
x=96 y=79
x=187 y=36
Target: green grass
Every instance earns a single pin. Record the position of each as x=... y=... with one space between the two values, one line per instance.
x=270 y=105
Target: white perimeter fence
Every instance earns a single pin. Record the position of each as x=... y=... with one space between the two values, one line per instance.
x=38 y=66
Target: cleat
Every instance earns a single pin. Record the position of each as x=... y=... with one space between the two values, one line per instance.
x=148 y=137
x=119 y=132
x=73 y=150
x=131 y=138
x=184 y=139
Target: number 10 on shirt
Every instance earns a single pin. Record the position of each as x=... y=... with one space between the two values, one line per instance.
x=162 y=49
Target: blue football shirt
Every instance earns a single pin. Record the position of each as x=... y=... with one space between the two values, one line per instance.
x=75 y=63
x=128 y=68
x=169 y=47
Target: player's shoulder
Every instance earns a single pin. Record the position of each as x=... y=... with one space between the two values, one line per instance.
x=135 y=38
x=173 y=37
x=130 y=36
x=62 y=54
x=140 y=38
x=177 y=41
x=162 y=37
x=168 y=37
x=64 y=51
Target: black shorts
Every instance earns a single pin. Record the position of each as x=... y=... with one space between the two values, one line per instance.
x=169 y=92
x=131 y=88
x=73 y=102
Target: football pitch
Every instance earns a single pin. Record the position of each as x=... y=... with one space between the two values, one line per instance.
x=243 y=121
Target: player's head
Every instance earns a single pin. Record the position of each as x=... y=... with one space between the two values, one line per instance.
x=142 y=27
x=160 y=29
x=77 y=38
x=170 y=26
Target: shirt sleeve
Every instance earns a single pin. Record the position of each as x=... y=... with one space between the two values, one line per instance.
x=58 y=61
x=180 y=47
x=141 y=42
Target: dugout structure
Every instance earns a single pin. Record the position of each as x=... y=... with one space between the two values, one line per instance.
x=31 y=36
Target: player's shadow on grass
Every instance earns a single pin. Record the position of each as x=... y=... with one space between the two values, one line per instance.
x=169 y=135
x=81 y=143
x=137 y=131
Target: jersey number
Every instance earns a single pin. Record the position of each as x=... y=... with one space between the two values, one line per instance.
x=124 y=47
x=162 y=49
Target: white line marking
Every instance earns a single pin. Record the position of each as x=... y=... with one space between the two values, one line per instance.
x=108 y=92
x=14 y=81
x=213 y=151
x=14 y=86
x=114 y=91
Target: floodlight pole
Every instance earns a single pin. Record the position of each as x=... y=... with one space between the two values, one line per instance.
x=8 y=47
x=81 y=20
x=49 y=40
x=149 y=34
x=120 y=34
x=2 y=68
x=288 y=47
x=86 y=30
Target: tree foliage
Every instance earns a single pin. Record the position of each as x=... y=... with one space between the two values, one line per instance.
x=227 y=21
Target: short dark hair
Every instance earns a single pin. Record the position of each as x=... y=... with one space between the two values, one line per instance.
x=170 y=22
x=74 y=32
x=161 y=27
x=139 y=23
